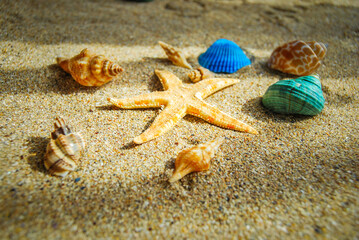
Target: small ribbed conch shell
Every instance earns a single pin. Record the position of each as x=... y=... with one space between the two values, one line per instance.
x=64 y=150
x=298 y=57
x=199 y=74
x=90 y=69
x=195 y=159
x=175 y=55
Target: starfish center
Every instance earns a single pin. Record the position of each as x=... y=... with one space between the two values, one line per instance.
x=181 y=100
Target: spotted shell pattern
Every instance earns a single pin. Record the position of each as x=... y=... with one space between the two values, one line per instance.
x=298 y=57
x=64 y=149
x=199 y=74
x=90 y=69
x=195 y=159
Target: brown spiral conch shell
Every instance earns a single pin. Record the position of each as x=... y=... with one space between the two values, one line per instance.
x=298 y=57
x=195 y=159
x=90 y=69
x=175 y=55
x=200 y=74
x=64 y=150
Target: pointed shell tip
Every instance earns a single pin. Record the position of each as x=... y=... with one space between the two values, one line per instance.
x=137 y=140
x=175 y=177
x=59 y=59
x=253 y=131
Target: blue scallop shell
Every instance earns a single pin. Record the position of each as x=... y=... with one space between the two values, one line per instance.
x=223 y=56
x=302 y=95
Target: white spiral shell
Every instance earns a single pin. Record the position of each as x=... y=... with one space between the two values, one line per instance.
x=64 y=150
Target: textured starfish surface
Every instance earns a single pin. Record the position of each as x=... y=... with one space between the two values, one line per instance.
x=179 y=101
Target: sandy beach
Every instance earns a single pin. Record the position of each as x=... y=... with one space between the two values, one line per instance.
x=297 y=179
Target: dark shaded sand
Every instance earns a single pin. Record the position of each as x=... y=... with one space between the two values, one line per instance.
x=297 y=179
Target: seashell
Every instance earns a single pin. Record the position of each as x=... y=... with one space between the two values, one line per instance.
x=224 y=56
x=195 y=159
x=303 y=96
x=90 y=69
x=199 y=74
x=298 y=57
x=175 y=55
x=64 y=150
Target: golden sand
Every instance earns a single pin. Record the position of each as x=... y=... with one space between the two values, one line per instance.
x=297 y=179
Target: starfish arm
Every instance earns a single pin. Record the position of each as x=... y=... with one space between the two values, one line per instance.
x=208 y=86
x=165 y=121
x=149 y=100
x=168 y=79
x=213 y=115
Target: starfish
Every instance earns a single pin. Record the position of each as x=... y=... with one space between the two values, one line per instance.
x=179 y=101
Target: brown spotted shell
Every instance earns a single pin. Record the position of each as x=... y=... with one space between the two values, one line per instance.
x=195 y=159
x=90 y=69
x=199 y=74
x=64 y=149
x=175 y=55
x=298 y=57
